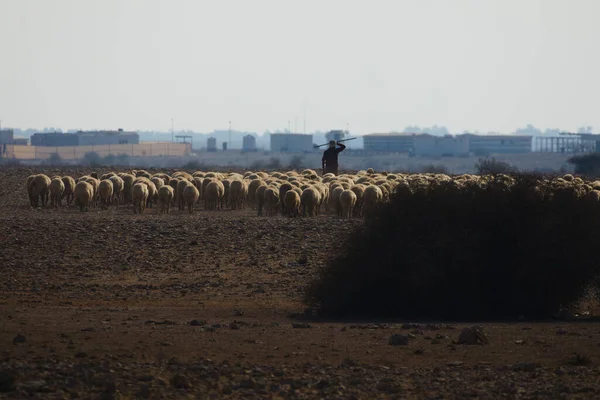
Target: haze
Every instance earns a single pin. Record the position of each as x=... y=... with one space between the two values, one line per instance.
x=376 y=66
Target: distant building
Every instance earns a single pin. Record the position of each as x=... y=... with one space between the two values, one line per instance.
x=389 y=142
x=291 y=142
x=211 y=144
x=20 y=141
x=248 y=143
x=6 y=136
x=448 y=145
x=84 y=138
x=499 y=144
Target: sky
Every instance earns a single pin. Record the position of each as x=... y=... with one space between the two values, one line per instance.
x=371 y=66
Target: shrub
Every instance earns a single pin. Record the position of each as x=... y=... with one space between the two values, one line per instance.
x=274 y=163
x=91 y=159
x=434 y=169
x=297 y=162
x=257 y=165
x=447 y=251
x=193 y=165
x=588 y=164
x=54 y=159
x=490 y=166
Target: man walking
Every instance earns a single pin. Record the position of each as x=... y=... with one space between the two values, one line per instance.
x=330 y=157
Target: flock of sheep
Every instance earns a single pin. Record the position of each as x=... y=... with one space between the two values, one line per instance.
x=291 y=193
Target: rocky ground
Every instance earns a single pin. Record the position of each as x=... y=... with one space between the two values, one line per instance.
x=108 y=304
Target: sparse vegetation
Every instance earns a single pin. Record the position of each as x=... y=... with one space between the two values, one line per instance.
x=588 y=164
x=434 y=169
x=92 y=159
x=490 y=166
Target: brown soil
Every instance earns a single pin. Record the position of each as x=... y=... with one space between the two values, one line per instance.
x=108 y=304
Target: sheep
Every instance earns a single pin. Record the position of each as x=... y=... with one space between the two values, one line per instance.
x=213 y=195
x=226 y=183
x=165 y=196
x=283 y=189
x=105 y=191
x=238 y=190
x=372 y=196
x=310 y=201
x=334 y=200
x=69 y=183
x=271 y=201
x=127 y=186
x=359 y=191
x=118 y=186
x=83 y=195
x=38 y=186
x=152 y=191
x=191 y=196
x=197 y=181
x=347 y=203
x=139 y=197
x=182 y=184
x=260 y=198
x=57 y=187
x=292 y=203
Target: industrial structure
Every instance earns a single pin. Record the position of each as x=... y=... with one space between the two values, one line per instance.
x=389 y=142
x=438 y=146
x=248 y=143
x=211 y=144
x=430 y=145
x=499 y=144
x=291 y=143
x=84 y=138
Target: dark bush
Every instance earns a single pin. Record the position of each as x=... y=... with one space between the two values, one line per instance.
x=434 y=169
x=588 y=164
x=193 y=165
x=92 y=159
x=297 y=162
x=274 y=163
x=54 y=159
x=465 y=253
x=490 y=166
x=257 y=165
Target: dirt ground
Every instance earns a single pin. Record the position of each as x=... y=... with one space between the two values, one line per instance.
x=108 y=304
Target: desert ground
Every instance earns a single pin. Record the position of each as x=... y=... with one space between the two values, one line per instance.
x=109 y=304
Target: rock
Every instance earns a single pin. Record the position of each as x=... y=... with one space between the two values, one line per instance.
x=81 y=354
x=454 y=363
x=526 y=366
x=300 y=325
x=197 y=322
x=561 y=331
x=398 y=340
x=33 y=386
x=411 y=336
x=238 y=313
x=19 y=339
x=143 y=392
x=473 y=335
x=419 y=351
x=7 y=382
x=146 y=378
x=180 y=381
x=560 y=371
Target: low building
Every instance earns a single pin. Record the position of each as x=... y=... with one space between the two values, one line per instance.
x=248 y=143
x=439 y=146
x=498 y=144
x=389 y=142
x=84 y=138
x=291 y=143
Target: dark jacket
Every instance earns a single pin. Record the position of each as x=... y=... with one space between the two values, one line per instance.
x=330 y=156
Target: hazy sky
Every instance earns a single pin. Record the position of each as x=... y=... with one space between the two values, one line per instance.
x=376 y=65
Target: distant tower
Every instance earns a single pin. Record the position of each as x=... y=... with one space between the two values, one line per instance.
x=211 y=144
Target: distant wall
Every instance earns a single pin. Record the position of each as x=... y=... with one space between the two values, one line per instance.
x=77 y=152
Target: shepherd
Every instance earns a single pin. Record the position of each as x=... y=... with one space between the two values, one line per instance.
x=330 y=157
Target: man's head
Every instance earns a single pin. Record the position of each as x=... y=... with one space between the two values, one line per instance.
x=332 y=144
